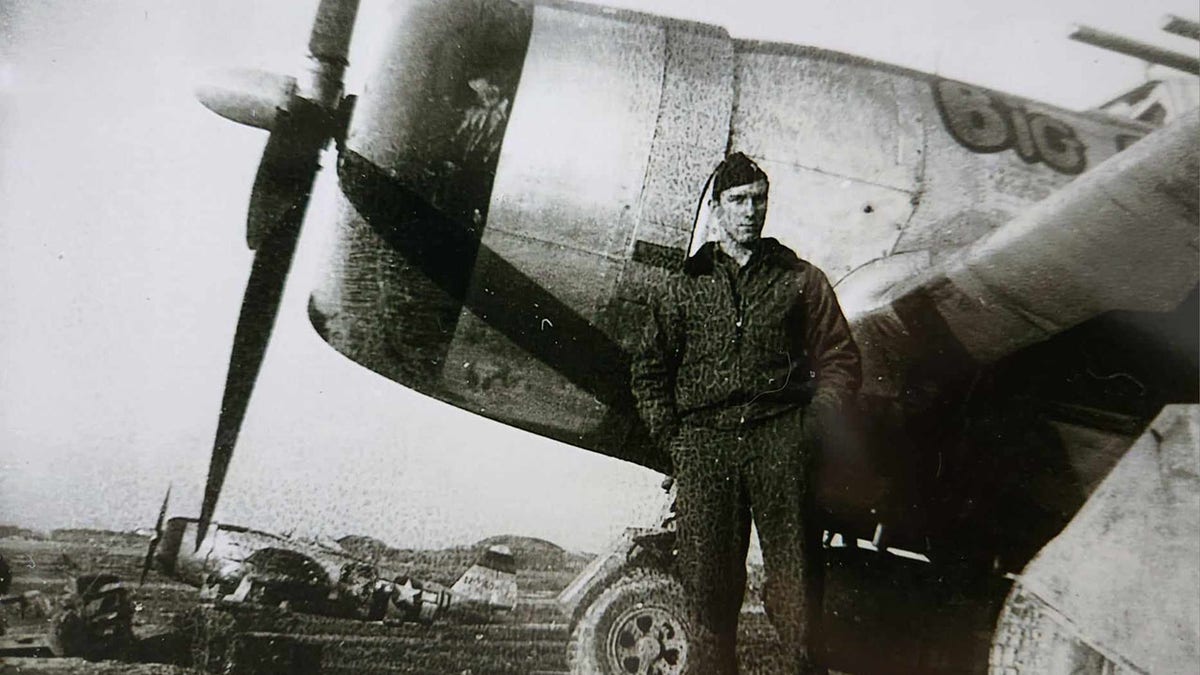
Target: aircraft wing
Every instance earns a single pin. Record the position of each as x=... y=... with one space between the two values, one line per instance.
x=1121 y=237
x=1009 y=377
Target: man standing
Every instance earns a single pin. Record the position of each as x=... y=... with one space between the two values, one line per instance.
x=747 y=358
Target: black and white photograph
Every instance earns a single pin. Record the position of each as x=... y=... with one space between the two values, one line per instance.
x=642 y=337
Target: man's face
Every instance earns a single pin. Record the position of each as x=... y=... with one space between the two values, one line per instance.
x=741 y=210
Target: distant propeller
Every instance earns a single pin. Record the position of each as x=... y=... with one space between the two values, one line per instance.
x=299 y=131
x=154 y=541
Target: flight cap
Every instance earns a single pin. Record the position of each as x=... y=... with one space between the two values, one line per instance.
x=736 y=169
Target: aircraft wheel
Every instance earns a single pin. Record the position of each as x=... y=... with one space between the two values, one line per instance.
x=637 y=625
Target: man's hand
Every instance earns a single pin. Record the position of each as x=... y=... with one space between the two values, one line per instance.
x=822 y=420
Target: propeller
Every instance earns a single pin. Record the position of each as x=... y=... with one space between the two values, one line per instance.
x=282 y=186
x=154 y=541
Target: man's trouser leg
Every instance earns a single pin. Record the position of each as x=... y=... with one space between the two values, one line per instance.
x=777 y=479
x=713 y=534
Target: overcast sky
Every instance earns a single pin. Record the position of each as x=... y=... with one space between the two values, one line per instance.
x=122 y=264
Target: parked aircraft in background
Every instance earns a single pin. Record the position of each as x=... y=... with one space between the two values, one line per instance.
x=239 y=564
x=517 y=178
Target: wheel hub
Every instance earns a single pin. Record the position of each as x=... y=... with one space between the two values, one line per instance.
x=647 y=641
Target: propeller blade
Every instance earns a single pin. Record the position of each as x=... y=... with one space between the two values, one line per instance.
x=329 y=40
x=301 y=130
x=154 y=541
x=289 y=164
x=277 y=204
x=260 y=304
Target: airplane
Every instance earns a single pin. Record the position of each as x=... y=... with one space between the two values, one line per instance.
x=518 y=178
x=240 y=567
x=236 y=564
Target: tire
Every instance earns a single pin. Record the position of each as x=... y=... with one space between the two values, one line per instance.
x=639 y=624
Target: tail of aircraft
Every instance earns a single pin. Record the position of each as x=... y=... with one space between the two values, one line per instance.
x=490 y=584
x=491 y=581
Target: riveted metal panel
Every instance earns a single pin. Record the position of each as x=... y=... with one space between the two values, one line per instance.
x=562 y=213
x=691 y=134
x=416 y=176
x=839 y=118
x=842 y=143
x=501 y=377
x=576 y=149
x=835 y=223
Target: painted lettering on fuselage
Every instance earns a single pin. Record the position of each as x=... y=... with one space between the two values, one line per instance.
x=983 y=122
x=481 y=584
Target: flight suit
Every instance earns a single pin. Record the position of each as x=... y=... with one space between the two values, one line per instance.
x=734 y=377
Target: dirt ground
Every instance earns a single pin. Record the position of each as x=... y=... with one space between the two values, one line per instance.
x=880 y=619
x=532 y=638
x=42 y=666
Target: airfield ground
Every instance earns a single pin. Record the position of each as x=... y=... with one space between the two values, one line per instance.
x=883 y=615
x=530 y=639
